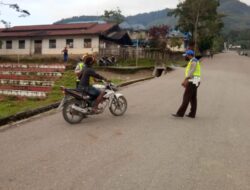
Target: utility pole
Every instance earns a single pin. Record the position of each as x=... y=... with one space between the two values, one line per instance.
x=196 y=25
x=136 y=55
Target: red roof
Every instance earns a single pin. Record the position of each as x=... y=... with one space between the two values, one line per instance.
x=56 y=30
x=52 y=27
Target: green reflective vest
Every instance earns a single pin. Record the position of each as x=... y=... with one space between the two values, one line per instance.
x=81 y=67
x=197 y=71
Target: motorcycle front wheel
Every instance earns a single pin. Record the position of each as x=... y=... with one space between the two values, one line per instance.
x=70 y=115
x=118 y=106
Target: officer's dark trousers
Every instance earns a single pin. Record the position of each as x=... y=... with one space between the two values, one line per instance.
x=190 y=96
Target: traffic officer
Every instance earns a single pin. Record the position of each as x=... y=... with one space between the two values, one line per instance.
x=191 y=84
x=78 y=70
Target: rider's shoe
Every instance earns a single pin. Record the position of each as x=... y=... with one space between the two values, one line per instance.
x=95 y=111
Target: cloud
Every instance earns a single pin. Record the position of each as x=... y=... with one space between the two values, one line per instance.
x=131 y=7
x=246 y=1
x=49 y=11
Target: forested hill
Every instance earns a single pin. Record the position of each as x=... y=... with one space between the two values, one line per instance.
x=237 y=16
x=152 y=18
x=145 y=19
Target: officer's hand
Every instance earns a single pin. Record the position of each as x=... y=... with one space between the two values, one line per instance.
x=184 y=83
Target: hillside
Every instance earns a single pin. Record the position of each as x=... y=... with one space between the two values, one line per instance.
x=145 y=19
x=152 y=18
x=237 y=16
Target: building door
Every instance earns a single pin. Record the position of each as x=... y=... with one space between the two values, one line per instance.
x=38 y=47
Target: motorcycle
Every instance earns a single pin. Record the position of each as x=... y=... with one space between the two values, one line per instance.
x=106 y=61
x=76 y=105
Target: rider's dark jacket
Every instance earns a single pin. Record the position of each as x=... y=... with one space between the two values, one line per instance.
x=88 y=72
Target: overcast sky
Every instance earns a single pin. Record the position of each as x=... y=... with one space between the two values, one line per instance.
x=49 y=11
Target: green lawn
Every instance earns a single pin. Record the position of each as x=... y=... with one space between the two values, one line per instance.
x=13 y=105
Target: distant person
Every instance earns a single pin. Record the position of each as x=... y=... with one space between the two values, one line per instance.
x=211 y=54
x=65 y=54
x=191 y=84
x=192 y=47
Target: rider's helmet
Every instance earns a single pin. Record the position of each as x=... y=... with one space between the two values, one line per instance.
x=89 y=60
x=84 y=56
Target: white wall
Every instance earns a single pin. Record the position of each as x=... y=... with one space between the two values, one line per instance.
x=60 y=44
x=78 y=45
x=15 y=49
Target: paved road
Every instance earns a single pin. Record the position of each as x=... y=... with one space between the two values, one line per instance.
x=146 y=149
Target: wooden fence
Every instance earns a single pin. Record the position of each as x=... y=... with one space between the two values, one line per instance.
x=124 y=53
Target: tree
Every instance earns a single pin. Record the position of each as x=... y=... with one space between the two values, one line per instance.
x=16 y=7
x=199 y=17
x=113 y=16
x=158 y=36
x=175 y=42
x=157 y=32
x=218 y=44
x=24 y=13
x=239 y=37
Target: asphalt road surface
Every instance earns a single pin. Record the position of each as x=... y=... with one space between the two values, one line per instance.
x=146 y=149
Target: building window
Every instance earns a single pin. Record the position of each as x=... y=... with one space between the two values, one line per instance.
x=70 y=43
x=52 y=44
x=87 y=43
x=9 y=44
x=21 y=44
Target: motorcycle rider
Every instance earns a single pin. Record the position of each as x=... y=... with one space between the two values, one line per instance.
x=84 y=84
x=79 y=68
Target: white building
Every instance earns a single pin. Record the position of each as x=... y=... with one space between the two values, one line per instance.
x=51 y=39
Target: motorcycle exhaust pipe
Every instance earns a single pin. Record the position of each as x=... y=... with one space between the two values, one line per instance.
x=79 y=109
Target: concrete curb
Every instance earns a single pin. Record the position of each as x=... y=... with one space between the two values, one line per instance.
x=134 y=81
x=27 y=114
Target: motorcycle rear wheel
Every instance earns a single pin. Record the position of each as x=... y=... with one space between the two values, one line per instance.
x=70 y=115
